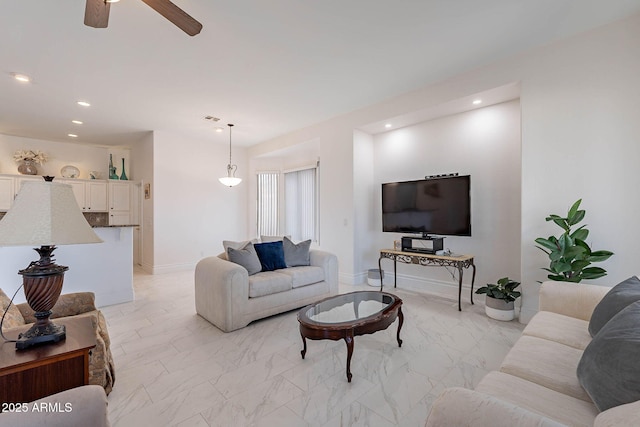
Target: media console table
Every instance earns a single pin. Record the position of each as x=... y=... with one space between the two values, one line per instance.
x=459 y=262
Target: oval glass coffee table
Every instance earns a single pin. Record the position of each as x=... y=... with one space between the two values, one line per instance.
x=349 y=315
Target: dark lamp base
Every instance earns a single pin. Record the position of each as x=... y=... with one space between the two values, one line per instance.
x=41 y=334
x=42 y=281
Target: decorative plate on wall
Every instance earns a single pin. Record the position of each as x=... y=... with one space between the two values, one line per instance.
x=70 y=172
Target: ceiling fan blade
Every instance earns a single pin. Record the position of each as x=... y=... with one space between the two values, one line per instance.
x=176 y=15
x=96 y=13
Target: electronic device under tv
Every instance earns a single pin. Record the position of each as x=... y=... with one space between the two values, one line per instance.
x=434 y=206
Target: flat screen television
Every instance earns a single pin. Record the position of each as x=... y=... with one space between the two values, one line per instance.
x=440 y=206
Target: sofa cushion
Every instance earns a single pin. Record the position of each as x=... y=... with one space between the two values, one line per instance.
x=559 y=328
x=246 y=257
x=267 y=283
x=235 y=245
x=623 y=415
x=536 y=398
x=548 y=363
x=303 y=276
x=271 y=255
x=296 y=254
x=609 y=369
x=619 y=297
x=458 y=406
x=13 y=318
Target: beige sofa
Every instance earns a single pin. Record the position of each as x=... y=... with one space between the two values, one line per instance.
x=229 y=298
x=78 y=407
x=537 y=383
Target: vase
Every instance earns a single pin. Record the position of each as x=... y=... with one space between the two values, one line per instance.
x=112 y=169
x=499 y=309
x=28 y=167
x=123 y=175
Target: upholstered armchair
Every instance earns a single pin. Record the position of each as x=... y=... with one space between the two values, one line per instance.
x=101 y=368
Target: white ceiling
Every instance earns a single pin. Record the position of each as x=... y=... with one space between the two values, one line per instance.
x=268 y=66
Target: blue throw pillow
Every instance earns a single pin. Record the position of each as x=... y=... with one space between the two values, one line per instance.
x=271 y=255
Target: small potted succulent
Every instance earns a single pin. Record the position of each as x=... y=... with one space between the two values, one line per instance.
x=500 y=298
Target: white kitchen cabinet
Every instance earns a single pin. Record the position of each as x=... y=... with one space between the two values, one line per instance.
x=120 y=194
x=91 y=195
x=95 y=196
x=6 y=192
x=10 y=186
x=78 y=191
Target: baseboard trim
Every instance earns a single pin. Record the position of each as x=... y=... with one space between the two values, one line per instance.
x=425 y=285
x=352 y=279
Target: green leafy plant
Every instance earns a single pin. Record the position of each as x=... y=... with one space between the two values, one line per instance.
x=569 y=253
x=504 y=290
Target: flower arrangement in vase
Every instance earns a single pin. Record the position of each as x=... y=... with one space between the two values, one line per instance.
x=28 y=160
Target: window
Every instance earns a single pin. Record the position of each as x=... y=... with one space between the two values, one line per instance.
x=301 y=204
x=268 y=203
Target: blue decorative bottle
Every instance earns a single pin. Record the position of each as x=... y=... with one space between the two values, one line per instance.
x=123 y=175
x=112 y=169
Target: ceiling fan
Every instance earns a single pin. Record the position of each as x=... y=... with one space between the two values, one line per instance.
x=96 y=14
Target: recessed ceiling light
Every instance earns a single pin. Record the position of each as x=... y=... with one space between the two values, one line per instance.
x=219 y=129
x=21 y=78
x=76 y=122
x=388 y=125
x=72 y=135
x=84 y=103
x=477 y=101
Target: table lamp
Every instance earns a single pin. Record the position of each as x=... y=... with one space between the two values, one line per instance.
x=44 y=213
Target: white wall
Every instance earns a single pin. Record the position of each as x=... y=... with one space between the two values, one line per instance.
x=142 y=166
x=580 y=114
x=483 y=143
x=366 y=228
x=193 y=212
x=579 y=109
x=84 y=157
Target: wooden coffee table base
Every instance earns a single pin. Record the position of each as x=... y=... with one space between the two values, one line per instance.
x=349 y=331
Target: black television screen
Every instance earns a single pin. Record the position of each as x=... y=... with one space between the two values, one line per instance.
x=429 y=206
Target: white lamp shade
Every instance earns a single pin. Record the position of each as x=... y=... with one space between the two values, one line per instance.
x=230 y=181
x=45 y=214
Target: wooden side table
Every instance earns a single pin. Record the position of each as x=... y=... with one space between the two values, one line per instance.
x=27 y=375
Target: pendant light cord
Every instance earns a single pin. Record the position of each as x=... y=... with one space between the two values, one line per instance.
x=230 y=128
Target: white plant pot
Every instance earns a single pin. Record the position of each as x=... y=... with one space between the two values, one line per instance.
x=499 y=309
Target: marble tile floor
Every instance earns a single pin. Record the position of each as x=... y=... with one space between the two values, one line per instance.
x=173 y=368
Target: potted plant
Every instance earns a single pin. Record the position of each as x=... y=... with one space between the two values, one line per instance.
x=500 y=298
x=569 y=253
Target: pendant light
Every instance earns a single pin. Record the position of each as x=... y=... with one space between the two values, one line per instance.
x=230 y=180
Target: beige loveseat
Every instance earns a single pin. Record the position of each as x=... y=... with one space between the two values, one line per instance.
x=229 y=298
x=537 y=384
